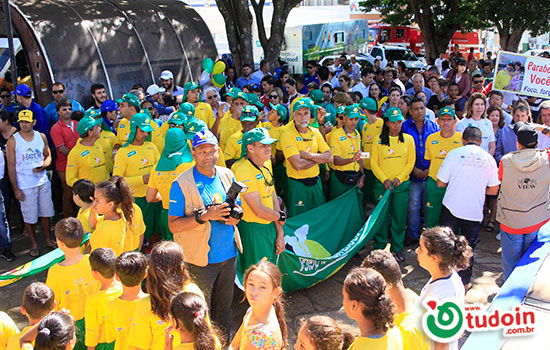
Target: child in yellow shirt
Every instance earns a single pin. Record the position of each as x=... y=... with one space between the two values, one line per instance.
x=38 y=301
x=113 y=200
x=102 y=262
x=8 y=328
x=130 y=271
x=71 y=280
x=83 y=196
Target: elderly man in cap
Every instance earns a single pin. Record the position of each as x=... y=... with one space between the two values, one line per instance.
x=167 y=81
x=304 y=149
x=200 y=219
x=23 y=96
x=231 y=122
x=249 y=120
x=134 y=161
x=261 y=227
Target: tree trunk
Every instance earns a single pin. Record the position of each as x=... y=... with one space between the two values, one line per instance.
x=238 y=25
x=509 y=40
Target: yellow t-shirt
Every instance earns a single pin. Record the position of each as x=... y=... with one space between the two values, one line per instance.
x=233 y=147
x=345 y=146
x=191 y=346
x=13 y=342
x=8 y=329
x=393 y=161
x=437 y=148
x=123 y=132
x=147 y=329
x=410 y=325
x=256 y=180
x=71 y=286
x=162 y=181
x=84 y=216
x=94 y=314
x=204 y=112
x=292 y=142
x=392 y=340
x=275 y=133
x=134 y=231
x=228 y=126
x=119 y=316
x=107 y=141
x=132 y=162
x=86 y=162
x=164 y=128
x=109 y=234
x=369 y=133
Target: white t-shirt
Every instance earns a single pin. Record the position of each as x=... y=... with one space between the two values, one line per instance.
x=467 y=171
x=430 y=115
x=443 y=288
x=486 y=127
x=360 y=87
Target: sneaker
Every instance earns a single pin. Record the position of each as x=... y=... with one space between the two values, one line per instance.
x=399 y=257
x=8 y=255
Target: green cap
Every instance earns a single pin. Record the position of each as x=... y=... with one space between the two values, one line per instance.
x=142 y=121
x=249 y=114
x=86 y=123
x=393 y=114
x=193 y=126
x=369 y=104
x=240 y=94
x=304 y=102
x=341 y=109
x=93 y=113
x=447 y=111
x=260 y=135
x=190 y=85
x=178 y=118
x=146 y=112
x=317 y=96
x=232 y=91
x=131 y=99
x=280 y=109
x=253 y=99
x=352 y=111
x=187 y=109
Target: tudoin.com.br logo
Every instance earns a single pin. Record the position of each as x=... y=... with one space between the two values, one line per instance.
x=444 y=320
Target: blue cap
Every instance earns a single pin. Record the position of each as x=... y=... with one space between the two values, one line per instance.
x=22 y=90
x=204 y=137
x=109 y=106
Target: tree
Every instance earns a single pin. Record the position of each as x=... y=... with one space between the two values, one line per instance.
x=513 y=18
x=238 y=25
x=437 y=20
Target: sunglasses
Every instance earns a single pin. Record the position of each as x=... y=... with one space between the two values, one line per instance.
x=65 y=109
x=55 y=92
x=151 y=108
x=5 y=96
x=211 y=97
x=478 y=81
x=273 y=96
x=309 y=67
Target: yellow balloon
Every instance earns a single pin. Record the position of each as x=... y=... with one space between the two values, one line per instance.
x=219 y=67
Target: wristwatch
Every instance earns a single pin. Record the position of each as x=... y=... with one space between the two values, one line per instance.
x=198 y=217
x=282 y=216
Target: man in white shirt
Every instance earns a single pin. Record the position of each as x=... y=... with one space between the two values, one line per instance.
x=469 y=173
x=367 y=77
x=439 y=61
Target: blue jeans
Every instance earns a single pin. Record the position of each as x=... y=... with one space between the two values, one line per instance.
x=5 y=240
x=513 y=248
x=417 y=200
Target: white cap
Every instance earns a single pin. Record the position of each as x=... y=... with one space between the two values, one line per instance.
x=166 y=75
x=153 y=90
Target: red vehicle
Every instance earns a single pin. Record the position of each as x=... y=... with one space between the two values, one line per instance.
x=411 y=38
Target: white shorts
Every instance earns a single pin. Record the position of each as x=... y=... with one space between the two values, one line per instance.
x=37 y=204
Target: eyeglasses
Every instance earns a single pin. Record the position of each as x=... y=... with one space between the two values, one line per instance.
x=65 y=109
x=211 y=97
x=55 y=92
x=273 y=96
x=5 y=96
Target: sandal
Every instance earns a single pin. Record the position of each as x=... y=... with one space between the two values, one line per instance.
x=52 y=246
x=34 y=252
x=490 y=227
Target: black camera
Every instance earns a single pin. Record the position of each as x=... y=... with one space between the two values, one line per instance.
x=231 y=196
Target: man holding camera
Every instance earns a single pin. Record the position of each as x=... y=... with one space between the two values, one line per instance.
x=261 y=228
x=204 y=225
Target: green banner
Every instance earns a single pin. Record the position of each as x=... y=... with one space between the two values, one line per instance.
x=321 y=241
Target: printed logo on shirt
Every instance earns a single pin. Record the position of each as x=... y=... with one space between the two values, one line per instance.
x=298 y=138
x=217 y=198
x=300 y=204
x=239 y=141
x=369 y=138
x=97 y=160
x=32 y=155
x=443 y=152
x=122 y=126
x=435 y=142
x=342 y=138
x=144 y=161
x=132 y=153
x=527 y=184
x=391 y=151
x=258 y=176
x=85 y=153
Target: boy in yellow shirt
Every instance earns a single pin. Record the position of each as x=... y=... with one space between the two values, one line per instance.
x=102 y=262
x=371 y=130
x=8 y=328
x=38 y=301
x=130 y=270
x=71 y=280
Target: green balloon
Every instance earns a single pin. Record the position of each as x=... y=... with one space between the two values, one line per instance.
x=208 y=64
x=219 y=79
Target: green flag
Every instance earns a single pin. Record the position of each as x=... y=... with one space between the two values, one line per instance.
x=321 y=241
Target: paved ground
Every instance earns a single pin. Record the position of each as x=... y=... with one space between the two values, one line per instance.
x=325 y=298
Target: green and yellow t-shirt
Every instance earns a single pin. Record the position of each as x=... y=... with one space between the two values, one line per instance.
x=345 y=146
x=204 y=112
x=107 y=141
x=274 y=132
x=369 y=133
x=162 y=181
x=228 y=126
x=392 y=340
x=119 y=315
x=257 y=180
x=437 y=148
x=83 y=216
x=233 y=148
x=95 y=311
x=86 y=162
x=134 y=231
x=393 y=161
x=123 y=132
x=132 y=162
x=109 y=234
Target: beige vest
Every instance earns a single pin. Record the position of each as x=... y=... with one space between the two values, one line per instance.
x=195 y=242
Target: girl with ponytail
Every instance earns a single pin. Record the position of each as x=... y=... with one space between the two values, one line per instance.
x=366 y=302
x=55 y=331
x=189 y=319
x=441 y=253
x=264 y=325
x=322 y=333
x=113 y=201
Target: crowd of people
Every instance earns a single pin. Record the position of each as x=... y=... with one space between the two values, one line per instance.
x=203 y=179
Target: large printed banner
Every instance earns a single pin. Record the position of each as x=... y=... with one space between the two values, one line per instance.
x=522 y=74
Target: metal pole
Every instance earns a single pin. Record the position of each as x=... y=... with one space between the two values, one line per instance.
x=10 y=43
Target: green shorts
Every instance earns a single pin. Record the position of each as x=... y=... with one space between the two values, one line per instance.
x=80 y=330
x=105 y=346
x=434 y=199
x=280 y=178
x=258 y=242
x=301 y=197
x=368 y=186
x=165 y=232
x=151 y=216
x=336 y=187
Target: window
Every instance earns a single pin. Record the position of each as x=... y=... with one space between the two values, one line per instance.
x=400 y=33
x=400 y=55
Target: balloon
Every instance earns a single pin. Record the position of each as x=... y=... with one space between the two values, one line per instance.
x=218 y=80
x=207 y=64
x=219 y=67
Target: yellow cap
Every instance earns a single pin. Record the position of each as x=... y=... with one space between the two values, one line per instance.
x=25 y=116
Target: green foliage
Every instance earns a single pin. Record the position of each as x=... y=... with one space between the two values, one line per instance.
x=532 y=15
